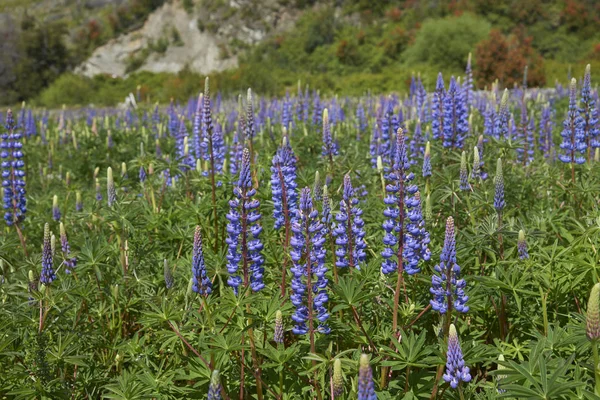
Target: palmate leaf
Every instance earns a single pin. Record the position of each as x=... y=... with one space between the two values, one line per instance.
x=410 y=351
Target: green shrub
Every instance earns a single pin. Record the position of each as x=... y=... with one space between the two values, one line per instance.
x=447 y=42
x=69 y=89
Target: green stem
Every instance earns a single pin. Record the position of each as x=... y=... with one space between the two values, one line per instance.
x=596 y=366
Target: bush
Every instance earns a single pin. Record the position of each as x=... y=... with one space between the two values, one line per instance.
x=69 y=89
x=447 y=42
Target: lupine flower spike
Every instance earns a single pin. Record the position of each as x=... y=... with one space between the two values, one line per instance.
x=446 y=286
x=522 y=246
x=338 y=379
x=110 y=187
x=70 y=262
x=366 y=386
x=47 y=275
x=243 y=231
x=202 y=284
x=573 y=135
x=464 y=175
x=278 y=334
x=214 y=389
x=55 y=210
x=499 y=187
x=13 y=174
x=456 y=371
x=168 y=275
x=78 y=202
x=593 y=314
x=476 y=171
x=349 y=231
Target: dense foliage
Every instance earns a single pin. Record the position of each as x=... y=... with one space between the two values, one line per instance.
x=429 y=245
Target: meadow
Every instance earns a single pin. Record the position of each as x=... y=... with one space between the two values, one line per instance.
x=436 y=242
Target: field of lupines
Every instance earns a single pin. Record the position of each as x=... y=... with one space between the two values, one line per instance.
x=441 y=243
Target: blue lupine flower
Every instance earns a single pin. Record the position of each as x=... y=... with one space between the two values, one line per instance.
x=244 y=230
x=416 y=143
x=309 y=283
x=389 y=125
x=361 y=120
x=168 y=275
x=467 y=86
x=446 y=287
x=427 y=161
x=455 y=121
x=456 y=371
x=69 y=261
x=545 y=131
x=413 y=240
x=214 y=389
x=201 y=283
x=197 y=131
x=286 y=111
x=484 y=174
x=47 y=275
x=476 y=171
x=366 y=386
x=502 y=117
x=421 y=101
x=589 y=112
x=349 y=230
x=279 y=329
x=317 y=110
x=55 y=210
x=249 y=121
x=98 y=190
x=329 y=146
x=464 y=176
x=522 y=246
x=13 y=174
x=142 y=174
x=283 y=184
x=213 y=144
x=437 y=108
x=78 y=202
x=489 y=118
x=499 y=187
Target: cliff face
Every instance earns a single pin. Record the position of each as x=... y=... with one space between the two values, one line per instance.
x=203 y=38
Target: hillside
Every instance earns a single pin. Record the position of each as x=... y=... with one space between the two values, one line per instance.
x=343 y=46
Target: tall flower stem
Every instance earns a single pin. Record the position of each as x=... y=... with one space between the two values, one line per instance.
x=596 y=367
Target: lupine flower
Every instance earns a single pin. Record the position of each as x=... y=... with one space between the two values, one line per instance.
x=588 y=111
x=309 y=284
x=573 y=135
x=389 y=125
x=501 y=121
x=142 y=174
x=13 y=174
x=349 y=230
x=202 y=284
x=593 y=314
x=476 y=171
x=361 y=120
x=244 y=230
x=286 y=111
x=366 y=386
x=338 y=378
x=464 y=175
x=437 y=108
x=317 y=109
x=47 y=275
x=283 y=184
x=428 y=210
x=214 y=389
x=522 y=246
x=499 y=187
x=329 y=147
x=213 y=145
x=456 y=371
x=421 y=101
x=55 y=210
x=168 y=275
x=484 y=174
x=455 y=124
x=31 y=287
x=70 y=262
x=416 y=143
x=427 y=161
x=447 y=288
x=545 y=131
x=411 y=237
x=278 y=334
x=78 y=202
x=249 y=121
x=197 y=129
x=467 y=86
x=317 y=187
x=110 y=187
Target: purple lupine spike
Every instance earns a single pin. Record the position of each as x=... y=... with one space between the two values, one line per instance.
x=249 y=121
x=422 y=113
x=78 y=202
x=437 y=108
x=69 y=261
x=283 y=184
x=455 y=125
x=588 y=112
x=366 y=386
x=456 y=371
x=214 y=389
x=416 y=143
x=545 y=131
x=201 y=283
x=213 y=144
x=522 y=246
x=464 y=175
x=402 y=201
x=317 y=110
x=286 y=111
x=501 y=128
x=110 y=187
x=499 y=187
x=13 y=174
x=55 y=210
x=329 y=147
x=243 y=230
x=484 y=174
x=427 y=161
x=361 y=121
x=468 y=83
x=309 y=282
x=47 y=275
x=197 y=129
x=279 y=333
x=446 y=287
x=142 y=174
x=349 y=230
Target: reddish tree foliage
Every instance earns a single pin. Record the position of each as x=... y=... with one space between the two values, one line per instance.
x=498 y=57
